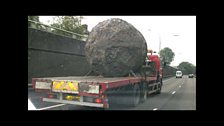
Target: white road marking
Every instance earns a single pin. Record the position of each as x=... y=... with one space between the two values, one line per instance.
x=173 y=92
x=31 y=106
x=183 y=82
x=167 y=80
x=155 y=109
x=51 y=107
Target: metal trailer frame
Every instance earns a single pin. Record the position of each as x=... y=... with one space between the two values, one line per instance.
x=81 y=103
x=106 y=83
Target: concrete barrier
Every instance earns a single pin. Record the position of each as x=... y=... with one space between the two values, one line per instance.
x=52 y=55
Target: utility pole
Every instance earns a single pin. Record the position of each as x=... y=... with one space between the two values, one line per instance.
x=149 y=36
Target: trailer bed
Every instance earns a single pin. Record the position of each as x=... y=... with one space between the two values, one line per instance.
x=106 y=82
x=85 y=90
x=89 y=79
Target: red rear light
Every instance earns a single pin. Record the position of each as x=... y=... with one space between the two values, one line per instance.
x=33 y=83
x=50 y=96
x=97 y=100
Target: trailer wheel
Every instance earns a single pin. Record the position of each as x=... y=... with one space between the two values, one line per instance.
x=144 y=93
x=136 y=95
x=159 y=89
x=132 y=97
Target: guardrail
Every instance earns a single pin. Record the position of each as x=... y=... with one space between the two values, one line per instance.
x=48 y=28
x=169 y=71
x=168 y=76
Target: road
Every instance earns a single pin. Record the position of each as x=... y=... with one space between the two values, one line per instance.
x=176 y=94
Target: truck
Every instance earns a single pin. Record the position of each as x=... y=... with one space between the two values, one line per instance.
x=104 y=92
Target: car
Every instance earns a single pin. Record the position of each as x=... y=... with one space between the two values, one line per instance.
x=179 y=74
x=191 y=76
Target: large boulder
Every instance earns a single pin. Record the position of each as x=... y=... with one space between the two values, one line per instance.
x=114 y=47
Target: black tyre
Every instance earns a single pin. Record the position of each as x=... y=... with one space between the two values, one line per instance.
x=133 y=97
x=159 y=89
x=136 y=95
x=144 y=93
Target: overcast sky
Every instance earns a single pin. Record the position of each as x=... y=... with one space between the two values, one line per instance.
x=176 y=32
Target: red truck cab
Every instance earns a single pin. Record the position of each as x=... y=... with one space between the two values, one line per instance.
x=156 y=60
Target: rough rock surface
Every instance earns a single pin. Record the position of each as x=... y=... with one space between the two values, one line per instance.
x=114 y=47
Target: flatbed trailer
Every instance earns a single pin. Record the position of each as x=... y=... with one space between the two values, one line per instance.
x=97 y=91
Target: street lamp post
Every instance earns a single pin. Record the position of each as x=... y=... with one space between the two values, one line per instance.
x=149 y=36
x=176 y=35
x=159 y=42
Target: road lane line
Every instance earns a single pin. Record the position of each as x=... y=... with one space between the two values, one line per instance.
x=173 y=92
x=31 y=105
x=51 y=107
x=182 y=82
x=155 y=109
x=167 y=79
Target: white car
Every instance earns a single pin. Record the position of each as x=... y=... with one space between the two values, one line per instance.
x=179 y=74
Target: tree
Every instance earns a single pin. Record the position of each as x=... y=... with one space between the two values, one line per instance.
x=166 y=55
x=33 y=18
x=187 y=68
x=69 y=23
x=35 y=25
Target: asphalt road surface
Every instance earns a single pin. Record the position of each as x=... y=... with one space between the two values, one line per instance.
x=176 y=94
